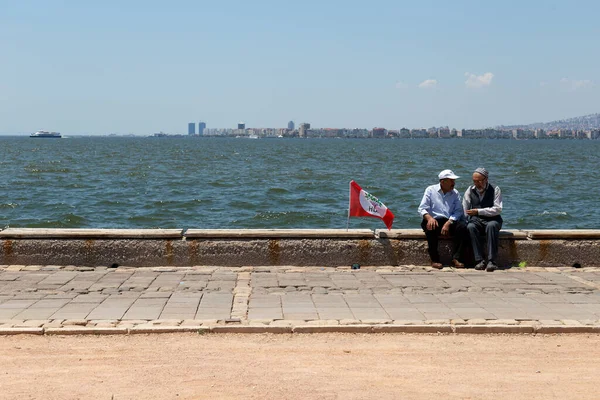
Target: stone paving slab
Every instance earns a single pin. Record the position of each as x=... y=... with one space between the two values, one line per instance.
x=248 y=299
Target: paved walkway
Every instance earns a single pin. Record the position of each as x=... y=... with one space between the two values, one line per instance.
x=52 y=299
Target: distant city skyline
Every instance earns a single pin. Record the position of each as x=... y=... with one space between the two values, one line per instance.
x=141 y=67
x=581 y=124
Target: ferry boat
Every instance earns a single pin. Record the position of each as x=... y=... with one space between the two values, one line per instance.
x=45 y=134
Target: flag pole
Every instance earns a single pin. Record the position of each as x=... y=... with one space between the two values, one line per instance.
x=349 y=199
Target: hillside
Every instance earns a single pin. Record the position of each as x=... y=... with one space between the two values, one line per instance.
x=586 y=122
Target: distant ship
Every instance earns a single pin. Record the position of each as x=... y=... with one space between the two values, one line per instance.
x=45 y=134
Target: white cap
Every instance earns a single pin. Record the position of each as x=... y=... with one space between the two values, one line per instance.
x=447 y=174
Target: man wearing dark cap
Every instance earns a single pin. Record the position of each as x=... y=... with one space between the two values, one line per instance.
x=483 y=204
x=442 y=213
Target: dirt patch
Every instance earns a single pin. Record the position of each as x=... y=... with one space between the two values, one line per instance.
x=321 y=366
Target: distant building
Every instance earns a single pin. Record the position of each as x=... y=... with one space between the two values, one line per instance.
x=566 y=134
x=552 y=134
x=444 y=132
x=241 y=126
x=540 y=133
x=523 y=134
x=201 y=128
x=192 y=128
x=332 y=132
x=432 y=132
x=291 y=125
x=378 y=133
x=303 y=130
x=486 y=134
x=418 y=133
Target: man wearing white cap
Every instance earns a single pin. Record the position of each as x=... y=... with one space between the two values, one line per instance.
x=442 y=213
x=483 y=205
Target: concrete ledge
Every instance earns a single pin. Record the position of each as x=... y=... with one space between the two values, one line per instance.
x=333 y=328
x=167 y=329
x=564 y=234
x=481 y=329
x=279 y=233
x=83 y=330
x=551 y=329
x=21 y=331
x=514 y=235
x=276 y=247
x=39 y=233
x=424 y=328
x=400 y=234
x=419 y=234
x=313 y=329
x=250 y=329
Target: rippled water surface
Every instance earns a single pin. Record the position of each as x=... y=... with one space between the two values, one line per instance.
x=282 y=183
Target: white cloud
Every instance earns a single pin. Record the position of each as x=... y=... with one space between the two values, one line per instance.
x=478 y=81
x=428 y=83
x=400 y=85
x=574 y=84
x=543 y=83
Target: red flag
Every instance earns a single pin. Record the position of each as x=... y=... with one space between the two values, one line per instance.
x=363 y=204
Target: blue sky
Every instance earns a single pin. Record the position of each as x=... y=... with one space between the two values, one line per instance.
x=146 y=66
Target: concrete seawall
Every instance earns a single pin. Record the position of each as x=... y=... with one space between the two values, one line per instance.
x=272 y=247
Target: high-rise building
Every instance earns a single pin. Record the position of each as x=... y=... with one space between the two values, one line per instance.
x=192 y=128
x=304 y=127
x=241 y=125
x=291 y=125
x=201 y=128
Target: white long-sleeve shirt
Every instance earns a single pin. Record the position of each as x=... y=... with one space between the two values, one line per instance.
x=496 y=209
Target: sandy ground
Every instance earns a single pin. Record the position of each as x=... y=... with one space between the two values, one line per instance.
x=320 y=366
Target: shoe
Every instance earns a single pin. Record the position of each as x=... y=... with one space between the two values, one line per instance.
x=480 y=266
x=457 y=264
x=436 y=265
x=491 y=267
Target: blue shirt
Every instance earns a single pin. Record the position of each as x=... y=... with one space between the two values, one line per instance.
x=440 y=205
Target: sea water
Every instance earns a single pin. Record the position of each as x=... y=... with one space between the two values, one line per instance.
x=211 y=183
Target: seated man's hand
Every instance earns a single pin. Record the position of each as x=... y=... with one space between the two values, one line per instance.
x=472 y=212
x=432 y=224
x=446 y=229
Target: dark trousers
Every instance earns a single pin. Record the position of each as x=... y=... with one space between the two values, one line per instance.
x=458 y=231
x=477 y=227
